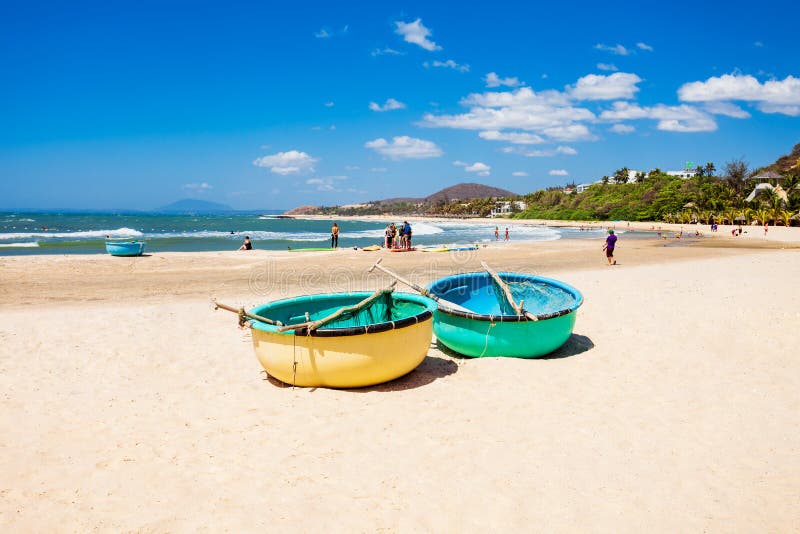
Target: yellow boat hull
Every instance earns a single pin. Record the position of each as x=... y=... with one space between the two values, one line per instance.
x=346 y=361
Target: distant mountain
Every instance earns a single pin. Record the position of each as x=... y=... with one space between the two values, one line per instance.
x=468 y=191
x=193 y=205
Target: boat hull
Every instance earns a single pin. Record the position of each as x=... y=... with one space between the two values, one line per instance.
x=493 y=333
x=345 y=361
x=129 y=248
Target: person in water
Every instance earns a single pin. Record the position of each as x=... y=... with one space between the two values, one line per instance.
x=506 y=239
x=496 y=233
x=611 y=242
x=334 y=236
x=247 y=245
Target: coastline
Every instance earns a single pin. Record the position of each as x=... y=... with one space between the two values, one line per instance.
x=130 y=405
x=777 y=234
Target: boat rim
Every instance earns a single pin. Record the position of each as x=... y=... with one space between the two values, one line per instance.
x=375 y=328
x=514 y=318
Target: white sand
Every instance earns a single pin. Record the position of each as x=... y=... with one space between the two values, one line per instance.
x=675 y=407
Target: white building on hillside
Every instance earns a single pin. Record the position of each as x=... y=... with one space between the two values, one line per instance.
x=685 y=173
x=504 y=207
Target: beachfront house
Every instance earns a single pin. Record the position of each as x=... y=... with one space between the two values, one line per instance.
x=684 y=173
x=764 y=182
x=504 y=207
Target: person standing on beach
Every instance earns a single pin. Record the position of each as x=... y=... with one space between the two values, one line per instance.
x=611 y=242
x=334 y=236
x=407 y=234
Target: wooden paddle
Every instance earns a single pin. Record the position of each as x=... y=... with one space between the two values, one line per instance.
x=507 y=293
x=313 y=325
x=419 y=288
x=242 y=314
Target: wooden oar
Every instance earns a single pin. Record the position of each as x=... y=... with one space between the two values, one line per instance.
x=507 y=293
x=313 y=325
x=418 y=288
x=242 y=314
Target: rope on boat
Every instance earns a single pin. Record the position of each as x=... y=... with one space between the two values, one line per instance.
x=243 y=315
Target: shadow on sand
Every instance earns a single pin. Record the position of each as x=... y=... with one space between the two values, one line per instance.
x=431 y=369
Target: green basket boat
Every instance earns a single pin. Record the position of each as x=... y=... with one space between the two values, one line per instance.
x=493 y=328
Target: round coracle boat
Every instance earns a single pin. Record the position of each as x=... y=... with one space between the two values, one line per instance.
x=125 y=248
x=364 y=344
x=487 y=325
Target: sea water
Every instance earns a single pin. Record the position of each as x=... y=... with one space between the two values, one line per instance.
x=85 y=233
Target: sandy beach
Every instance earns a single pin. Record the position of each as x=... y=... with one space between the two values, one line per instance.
x=129 y=405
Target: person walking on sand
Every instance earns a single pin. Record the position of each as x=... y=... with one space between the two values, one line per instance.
x=247 y=245
x=611 y=242
x=335 y=236
x=506 y=239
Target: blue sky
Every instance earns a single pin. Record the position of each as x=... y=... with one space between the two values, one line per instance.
x=273 y=105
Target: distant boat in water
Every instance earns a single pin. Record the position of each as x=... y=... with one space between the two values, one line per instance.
x=125 y=248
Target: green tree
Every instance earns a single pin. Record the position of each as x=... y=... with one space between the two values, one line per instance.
x=736 y=172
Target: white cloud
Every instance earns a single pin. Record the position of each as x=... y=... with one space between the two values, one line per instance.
x=329 y=104
x=449 y=64
x=570 y=132
x=622 y=129
x=681 y=118
x=772 y=96
x=323 y=33
x=558 y=172
x=389 y=105
x=459 y=163
x=416 y=33
x=519 y=173
x=521 y=109
x=480 y=168
x=493 y=80
x=351 y=167
x=758 y=44
x=620 y=85
x=378 y=169
x=727 y=109
x=291 y=162
x=561 y=150
x=405 y=147
x=644 y=46
x=518 y=138
x=386 y=51
x=326 y=184
x=607 y=67
x=202 y=187
x=616 y=49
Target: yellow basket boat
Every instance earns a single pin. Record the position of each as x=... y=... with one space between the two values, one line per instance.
x=381 y=341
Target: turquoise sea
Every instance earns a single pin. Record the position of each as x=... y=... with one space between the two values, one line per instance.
x=85 y=233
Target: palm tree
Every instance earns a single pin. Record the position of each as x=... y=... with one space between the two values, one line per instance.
x=761 y=216
x=773 y=199
x=604 y=180
x=784 y=216
x=700 y=171
x=710 y=169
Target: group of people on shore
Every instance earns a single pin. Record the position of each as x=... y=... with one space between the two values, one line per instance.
x=397 y=236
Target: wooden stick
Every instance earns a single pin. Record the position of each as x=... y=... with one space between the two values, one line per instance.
x=242 y=313
x=507 y=293
x=418 y=288
x=313 y=325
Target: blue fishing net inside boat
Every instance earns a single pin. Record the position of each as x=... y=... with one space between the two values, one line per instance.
x=479 y=293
